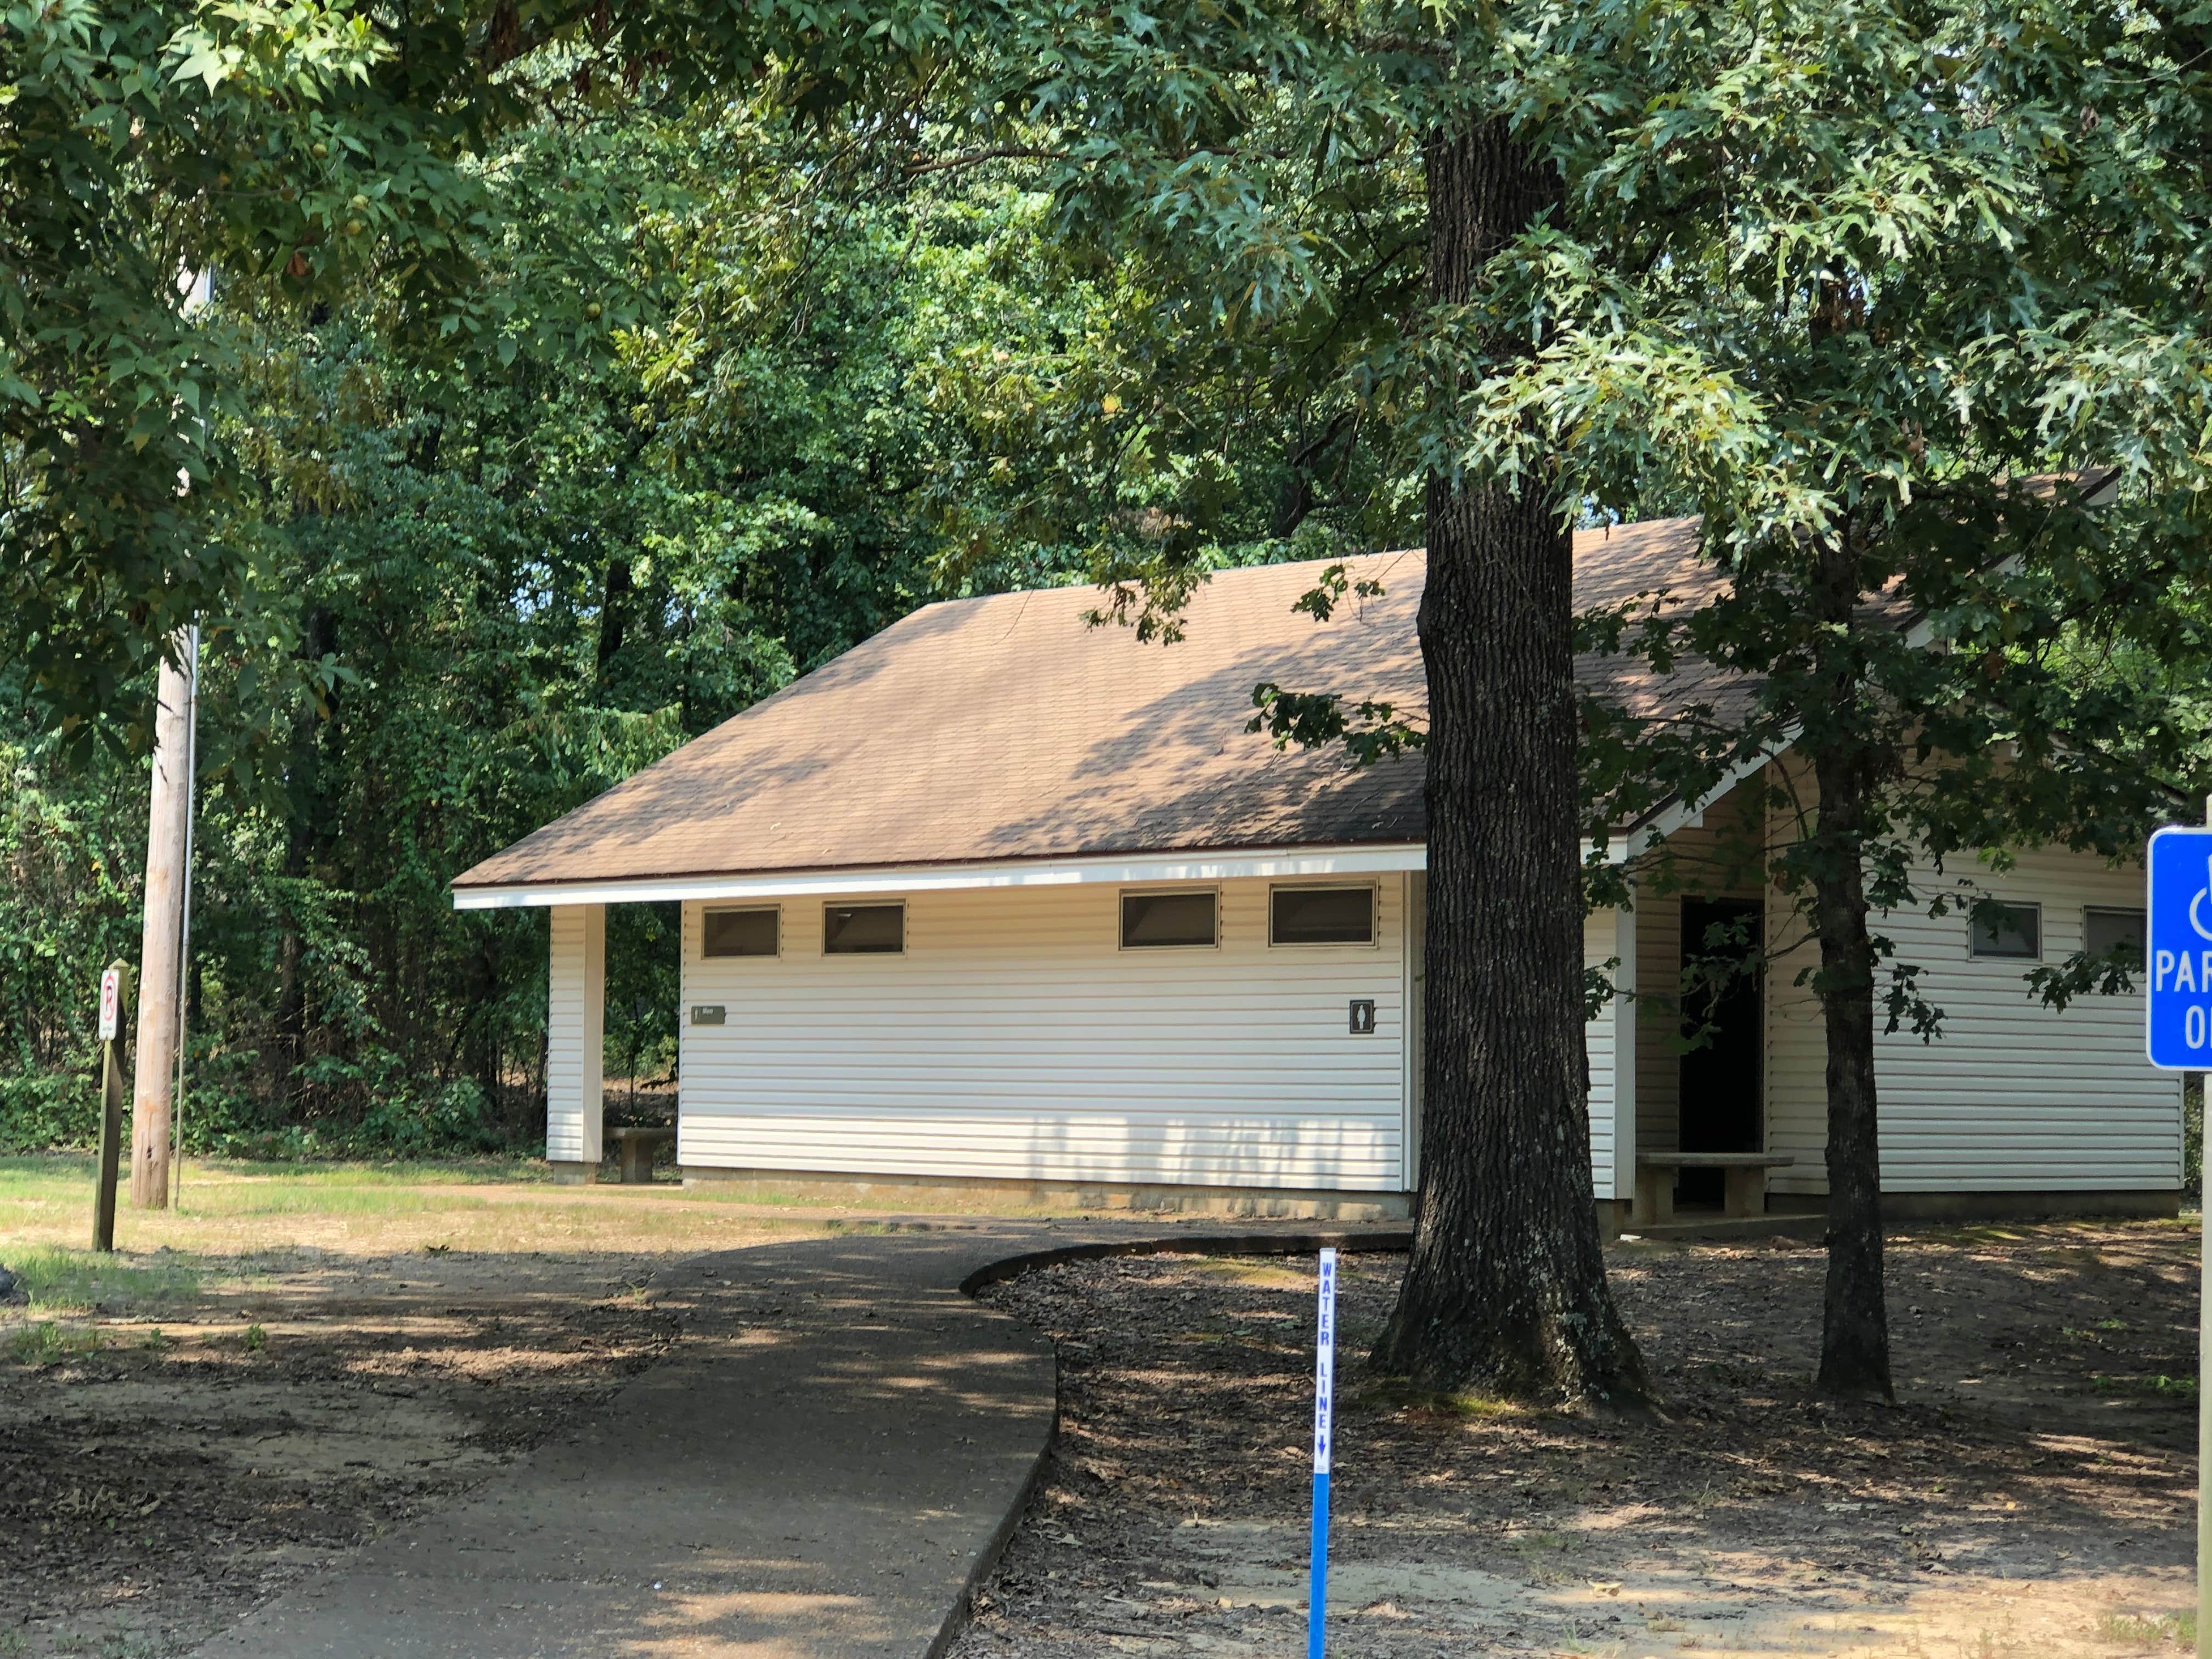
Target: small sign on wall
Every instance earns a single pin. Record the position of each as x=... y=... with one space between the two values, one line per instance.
x=1363 y=1017
x=708 y=1013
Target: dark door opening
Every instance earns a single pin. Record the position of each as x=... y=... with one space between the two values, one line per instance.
x=1723 y=1077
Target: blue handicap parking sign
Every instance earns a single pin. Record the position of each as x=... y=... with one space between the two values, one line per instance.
x=2178 y=949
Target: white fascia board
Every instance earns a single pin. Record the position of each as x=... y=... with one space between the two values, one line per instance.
x=1679 y=814
x=1286 y=863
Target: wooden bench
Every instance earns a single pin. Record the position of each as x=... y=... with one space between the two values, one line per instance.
x=635 y=1149
x=1745 y=1181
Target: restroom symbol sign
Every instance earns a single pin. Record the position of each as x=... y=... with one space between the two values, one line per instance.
x=2178 y=951
x=1363 y=1017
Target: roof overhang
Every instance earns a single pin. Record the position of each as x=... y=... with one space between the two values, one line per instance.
x=1642 y=836
x=1280 y=863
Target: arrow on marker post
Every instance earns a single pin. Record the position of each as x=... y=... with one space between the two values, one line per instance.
x=1324 y=1433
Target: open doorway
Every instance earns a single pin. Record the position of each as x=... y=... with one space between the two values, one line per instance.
x=644 y=973
x=1723 y=1076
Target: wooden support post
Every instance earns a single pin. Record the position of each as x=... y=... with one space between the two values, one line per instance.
x=575 y=1032
x=114 y=1003
x=1622 y=1015
x=161 y=951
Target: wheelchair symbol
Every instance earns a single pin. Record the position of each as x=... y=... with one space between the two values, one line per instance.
x=2196 y=905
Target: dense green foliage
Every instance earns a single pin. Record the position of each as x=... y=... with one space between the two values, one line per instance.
x=743 y=395
x=1903 y=297
x=555 y=405
x=703 y=451
x=143 y=145
x=1911 y=312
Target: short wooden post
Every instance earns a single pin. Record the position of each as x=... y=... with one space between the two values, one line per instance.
x=114 y=996
x=1623 y=1014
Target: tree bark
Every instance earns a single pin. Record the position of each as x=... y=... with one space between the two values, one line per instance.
x=1855 y=1319
x=1506 y=1290
x=612 y=619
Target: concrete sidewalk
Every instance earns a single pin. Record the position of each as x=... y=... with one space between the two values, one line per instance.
x=834 y=1453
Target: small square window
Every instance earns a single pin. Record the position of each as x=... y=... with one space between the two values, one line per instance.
x=2104 y=931
x=1152 y=921
x=740 y=933
x=2005 y=930
x=863 y=930
x=1322 y=915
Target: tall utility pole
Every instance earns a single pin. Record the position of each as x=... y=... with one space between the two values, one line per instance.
x=161 y=954
x=185 y=928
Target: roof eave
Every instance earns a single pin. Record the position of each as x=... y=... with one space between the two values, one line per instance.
x=1374 y=857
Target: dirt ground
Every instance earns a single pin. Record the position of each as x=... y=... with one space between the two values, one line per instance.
x=293 y=1359
x=2031 y=1497
x=161 y=1483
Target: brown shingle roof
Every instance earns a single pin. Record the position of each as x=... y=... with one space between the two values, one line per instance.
x=1004 y=728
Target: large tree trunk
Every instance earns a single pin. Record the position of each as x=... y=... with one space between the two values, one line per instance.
x=612 y=619
x=1506 y=1290
x=1855 y=1320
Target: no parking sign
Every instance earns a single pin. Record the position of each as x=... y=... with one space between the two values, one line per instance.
x=2178 y=949
x=111 y=1004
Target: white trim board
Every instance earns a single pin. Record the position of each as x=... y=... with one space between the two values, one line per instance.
x=1280 y=863
x=1622 y=844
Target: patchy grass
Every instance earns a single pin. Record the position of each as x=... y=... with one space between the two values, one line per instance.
x=1261 y=1273
x=48 y=1344
x=2180 y=1389
x=1392 y=1394
x=2130 y=1630
x=229 y=1209
x=59 y=1279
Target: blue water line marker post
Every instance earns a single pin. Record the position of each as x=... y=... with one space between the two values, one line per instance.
x=1324 y=1432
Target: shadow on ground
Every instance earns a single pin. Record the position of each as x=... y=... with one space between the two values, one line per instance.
x=2029 y=1499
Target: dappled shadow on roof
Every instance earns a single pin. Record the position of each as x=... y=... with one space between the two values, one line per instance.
x=1006 y=727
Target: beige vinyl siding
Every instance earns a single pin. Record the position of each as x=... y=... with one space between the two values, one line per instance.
x=575 y=1028
x=2013 y=1096
x=1796 y=1053
x=1602 y=943
x=1015 y=1039
x=1413 y=934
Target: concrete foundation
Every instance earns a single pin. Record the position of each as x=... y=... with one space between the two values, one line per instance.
x=1805 y=1215
x=940 y=1192
x=1786 y=1213
x=1992 y=1207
